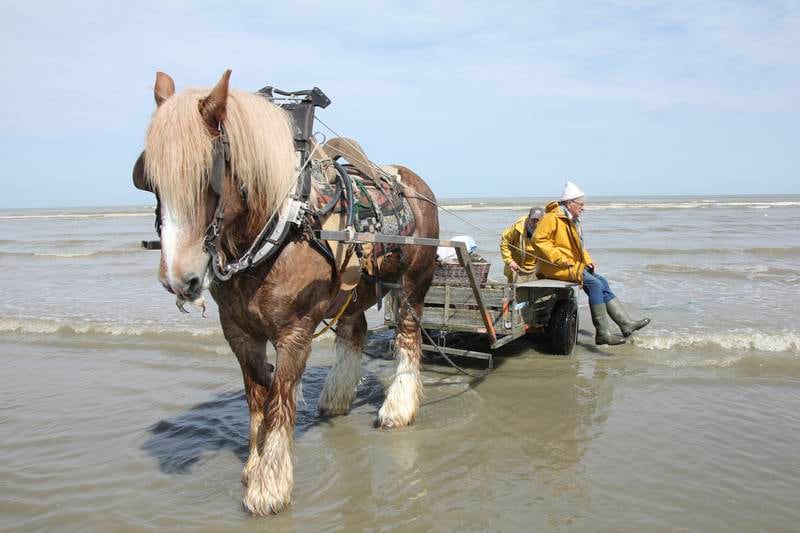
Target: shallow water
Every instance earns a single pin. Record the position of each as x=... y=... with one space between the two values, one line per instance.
x=117 y=412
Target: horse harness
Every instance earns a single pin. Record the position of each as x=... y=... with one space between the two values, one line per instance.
x=332 y=182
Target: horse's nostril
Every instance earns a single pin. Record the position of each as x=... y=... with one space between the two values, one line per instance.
x=192 y=283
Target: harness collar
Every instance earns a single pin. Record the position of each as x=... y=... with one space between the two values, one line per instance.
x=289 y=214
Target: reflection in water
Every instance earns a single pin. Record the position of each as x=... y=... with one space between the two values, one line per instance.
x=540 y=418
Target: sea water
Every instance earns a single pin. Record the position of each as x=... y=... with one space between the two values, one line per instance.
x=119 y=412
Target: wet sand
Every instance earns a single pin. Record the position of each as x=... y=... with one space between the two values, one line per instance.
x=100 y=436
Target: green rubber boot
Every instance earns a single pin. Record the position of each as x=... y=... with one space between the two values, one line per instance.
x=600 y=320
x=623 y=320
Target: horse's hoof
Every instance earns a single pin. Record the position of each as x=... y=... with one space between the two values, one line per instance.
x=331 y=411
x=334 y=406
x=384 y=422
x=261 y=502
x=265 y=509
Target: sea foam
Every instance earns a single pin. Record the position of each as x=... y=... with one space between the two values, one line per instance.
x=786 y=341
x=52 y=326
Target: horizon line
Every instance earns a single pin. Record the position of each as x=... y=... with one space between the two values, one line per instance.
x=450 y=199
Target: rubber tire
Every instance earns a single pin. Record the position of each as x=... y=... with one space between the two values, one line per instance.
x=563 y=327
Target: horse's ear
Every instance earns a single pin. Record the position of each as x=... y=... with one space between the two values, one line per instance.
x=164 y=88
x=213 y=106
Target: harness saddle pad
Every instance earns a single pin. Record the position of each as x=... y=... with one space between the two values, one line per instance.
x=378 y=208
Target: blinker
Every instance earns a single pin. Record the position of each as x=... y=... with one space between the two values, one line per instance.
x=139 y=179
x=219 y=155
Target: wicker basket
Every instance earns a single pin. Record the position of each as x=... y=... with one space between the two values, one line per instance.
x=456 y=275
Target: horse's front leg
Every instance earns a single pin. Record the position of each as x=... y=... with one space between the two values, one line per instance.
x=341 y=382
x=270 y=476
x=256 y=374
x=404 y=394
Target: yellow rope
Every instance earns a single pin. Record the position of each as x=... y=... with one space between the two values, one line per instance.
x=338 y=315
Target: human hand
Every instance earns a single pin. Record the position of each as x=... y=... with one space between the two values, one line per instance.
x=513 y=266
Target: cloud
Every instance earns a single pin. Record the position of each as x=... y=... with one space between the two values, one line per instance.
x=461 y=72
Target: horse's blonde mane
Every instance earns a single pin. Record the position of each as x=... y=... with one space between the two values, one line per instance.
x=178 y=151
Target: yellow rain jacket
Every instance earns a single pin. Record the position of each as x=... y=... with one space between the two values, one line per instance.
x=514 y=244
x=558 y=240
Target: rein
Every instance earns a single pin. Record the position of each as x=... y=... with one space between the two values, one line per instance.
x=220 y=156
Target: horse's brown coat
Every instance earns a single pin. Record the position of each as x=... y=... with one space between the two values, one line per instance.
x=283 y=301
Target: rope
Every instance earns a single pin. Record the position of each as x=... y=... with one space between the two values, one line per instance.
x=429 y=200
x=433 y=343
x=336 y=318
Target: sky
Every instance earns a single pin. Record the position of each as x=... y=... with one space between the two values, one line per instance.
x=497 y=99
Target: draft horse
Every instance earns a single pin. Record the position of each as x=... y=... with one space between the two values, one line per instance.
x=283 y=300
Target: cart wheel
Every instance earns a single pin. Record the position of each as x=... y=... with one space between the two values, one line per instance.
x=563 y=327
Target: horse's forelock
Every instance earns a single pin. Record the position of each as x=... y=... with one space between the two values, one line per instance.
x=179 y=149
x=262 y=150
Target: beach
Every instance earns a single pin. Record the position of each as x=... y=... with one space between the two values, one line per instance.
x=121 y=413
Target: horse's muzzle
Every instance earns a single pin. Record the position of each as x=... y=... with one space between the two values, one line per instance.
x=189 y=286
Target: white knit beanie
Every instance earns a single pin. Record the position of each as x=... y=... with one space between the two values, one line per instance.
x=570 y=192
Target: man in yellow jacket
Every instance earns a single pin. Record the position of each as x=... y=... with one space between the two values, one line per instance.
x=558 y=243
x=516 y=247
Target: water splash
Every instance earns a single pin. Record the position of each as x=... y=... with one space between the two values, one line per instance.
x=775 y=342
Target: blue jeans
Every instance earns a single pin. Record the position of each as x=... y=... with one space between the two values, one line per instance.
x=596 y=287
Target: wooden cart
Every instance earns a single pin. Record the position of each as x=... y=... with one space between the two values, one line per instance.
x=451 y=313
x=499 y=312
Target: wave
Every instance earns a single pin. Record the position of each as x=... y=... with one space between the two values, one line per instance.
x=485 y=207
x=73 y=255
x=210 y=332
x=751 y=273
x=789 y=251
x=52 y=326
x=599 y=205
x=665 y=251
x=691 y=204
x=67 y=243
x=786 y=342
x=775 y=252
x=74 y=216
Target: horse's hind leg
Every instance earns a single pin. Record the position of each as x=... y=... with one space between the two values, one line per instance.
x=270 y=476
x=340 y=385
x=404 y=394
